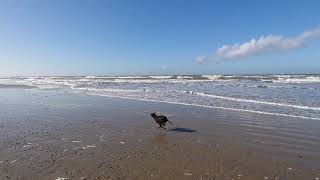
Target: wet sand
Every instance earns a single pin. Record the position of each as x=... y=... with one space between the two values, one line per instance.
x=77 y=136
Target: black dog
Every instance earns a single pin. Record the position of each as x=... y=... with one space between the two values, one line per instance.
x=160 y=119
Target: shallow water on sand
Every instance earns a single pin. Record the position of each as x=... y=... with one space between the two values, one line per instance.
x=50 y=135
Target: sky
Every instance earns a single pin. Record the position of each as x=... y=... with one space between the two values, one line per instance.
x=137 y=37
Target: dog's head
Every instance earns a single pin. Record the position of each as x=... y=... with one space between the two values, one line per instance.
x=153 y=114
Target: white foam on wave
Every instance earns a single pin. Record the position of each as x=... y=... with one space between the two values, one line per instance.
x=212 y=107
x=120 y=80
x=55 y=77
x=184 y=77
x=99 y=77
x=220 y=78
x=112 y=90
x=160 y=77
x=257 y=101
x=212 y=77
x=144 y=80
x=297 y=79
x=90 y=77
x=287 y=75
x=130 y=77
x=136 y=80
x=49 y=83
x=59 y=82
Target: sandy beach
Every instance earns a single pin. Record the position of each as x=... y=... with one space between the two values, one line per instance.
x=61 y=135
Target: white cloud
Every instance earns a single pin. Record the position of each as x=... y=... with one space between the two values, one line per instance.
x=201 y=59
x=264 y=44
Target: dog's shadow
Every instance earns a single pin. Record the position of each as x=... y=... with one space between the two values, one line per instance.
x=184 y=130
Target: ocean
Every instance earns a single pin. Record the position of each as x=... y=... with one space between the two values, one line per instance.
x=296 y=96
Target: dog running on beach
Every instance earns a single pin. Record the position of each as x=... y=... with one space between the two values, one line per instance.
x=160 y=119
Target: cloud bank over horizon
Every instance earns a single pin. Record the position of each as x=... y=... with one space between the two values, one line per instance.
x=262 y=45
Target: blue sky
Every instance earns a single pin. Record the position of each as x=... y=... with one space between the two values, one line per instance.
x=105 y=37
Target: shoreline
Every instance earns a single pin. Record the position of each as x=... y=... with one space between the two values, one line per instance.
x=212 y=107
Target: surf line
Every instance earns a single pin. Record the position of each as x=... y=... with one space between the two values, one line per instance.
x=210 y=107
x=257 y=102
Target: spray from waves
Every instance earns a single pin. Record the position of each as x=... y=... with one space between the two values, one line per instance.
x=211 y=107
x=256 y=101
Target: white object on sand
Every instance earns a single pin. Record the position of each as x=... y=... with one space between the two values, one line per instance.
x=187 y=174
x=91 y=146
x=62 y=178
x=76 y=141
x=122 y=142
x=88 y=146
